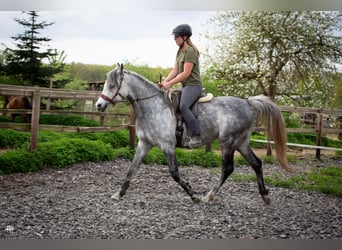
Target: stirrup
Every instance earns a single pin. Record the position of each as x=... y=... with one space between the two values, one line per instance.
x=198 y=143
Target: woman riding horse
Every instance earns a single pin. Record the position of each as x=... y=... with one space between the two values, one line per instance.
x=187 y=71
x=226 y=118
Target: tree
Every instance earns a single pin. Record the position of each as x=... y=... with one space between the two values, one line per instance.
x=274 y=52
x=26 y=61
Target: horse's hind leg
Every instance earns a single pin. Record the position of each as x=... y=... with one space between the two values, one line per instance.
x=141 y=151
x=226 y=170
x=256 y=164
x=170 y=155
x=13 y=117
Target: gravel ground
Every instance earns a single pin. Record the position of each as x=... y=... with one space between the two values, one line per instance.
x=75 y=203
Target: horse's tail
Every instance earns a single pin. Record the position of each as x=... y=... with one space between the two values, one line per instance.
x=27 y=103
x=269 y=111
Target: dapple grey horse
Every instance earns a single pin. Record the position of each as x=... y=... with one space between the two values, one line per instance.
x=229 y=119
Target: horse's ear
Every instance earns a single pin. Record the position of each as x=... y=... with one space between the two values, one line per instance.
x=121 y=71
x=118 y=64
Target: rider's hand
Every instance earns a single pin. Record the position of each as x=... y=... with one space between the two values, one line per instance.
x=165 y=85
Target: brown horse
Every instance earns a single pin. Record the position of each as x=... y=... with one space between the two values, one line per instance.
x=19 y=102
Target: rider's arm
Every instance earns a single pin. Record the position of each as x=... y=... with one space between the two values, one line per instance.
x=172 y=74
x=169 y=81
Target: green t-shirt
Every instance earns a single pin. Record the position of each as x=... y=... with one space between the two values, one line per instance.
x=189 y=55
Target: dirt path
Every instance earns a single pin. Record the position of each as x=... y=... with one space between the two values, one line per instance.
x=75 y=203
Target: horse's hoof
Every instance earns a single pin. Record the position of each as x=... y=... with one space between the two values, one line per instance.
x=195 y=199
x=116 y=196
x=208 y=198
x=266 y=199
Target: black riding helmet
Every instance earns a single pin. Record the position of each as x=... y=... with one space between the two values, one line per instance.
x=182 y=30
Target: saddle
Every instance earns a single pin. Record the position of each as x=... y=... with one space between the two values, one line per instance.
x=173 y=98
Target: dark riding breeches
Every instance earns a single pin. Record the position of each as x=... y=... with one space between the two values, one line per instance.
x=189 y=95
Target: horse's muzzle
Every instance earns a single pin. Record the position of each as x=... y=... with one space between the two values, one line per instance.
x=101 y=107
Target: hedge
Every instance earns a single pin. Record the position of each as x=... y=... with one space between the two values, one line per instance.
x=184 y=157
x=67 y=120
x=56 y=154
x=13 y=139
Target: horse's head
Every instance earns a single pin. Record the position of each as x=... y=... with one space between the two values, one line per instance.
x=111 y=89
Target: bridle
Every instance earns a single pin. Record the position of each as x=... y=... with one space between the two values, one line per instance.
x=117 y=93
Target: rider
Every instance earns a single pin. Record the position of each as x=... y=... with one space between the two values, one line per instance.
x=186 y=71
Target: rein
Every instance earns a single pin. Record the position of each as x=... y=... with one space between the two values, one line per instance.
x=144 y=98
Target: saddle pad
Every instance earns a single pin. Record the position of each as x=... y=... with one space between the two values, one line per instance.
x=207 y=98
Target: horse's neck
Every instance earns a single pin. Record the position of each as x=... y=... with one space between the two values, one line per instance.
x=139 y=87
x=145 y=98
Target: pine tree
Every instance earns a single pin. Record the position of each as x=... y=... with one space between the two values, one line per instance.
x=26 y=60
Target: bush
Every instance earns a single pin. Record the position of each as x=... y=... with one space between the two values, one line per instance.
x=57 y=154
x=5 y=118
x=184 y=157
x=292 y=120
x=255 y=144
x=67 y=120
x=65 y=152
x=19 y=161
x=12 y=139
x=116 y=139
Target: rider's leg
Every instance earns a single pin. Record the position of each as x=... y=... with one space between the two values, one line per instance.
x=189 y=95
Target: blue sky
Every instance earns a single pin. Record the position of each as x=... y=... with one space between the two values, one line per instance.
x=107 y=37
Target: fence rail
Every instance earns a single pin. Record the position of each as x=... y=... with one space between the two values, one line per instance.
x=49 y=93
x=319 y=126
x=36 y=94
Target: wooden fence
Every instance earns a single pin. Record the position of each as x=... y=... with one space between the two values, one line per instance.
x=322 y=125
x=36 y=94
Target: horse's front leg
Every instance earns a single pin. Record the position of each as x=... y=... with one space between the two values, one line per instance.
x=141 y=151
x=170 y=155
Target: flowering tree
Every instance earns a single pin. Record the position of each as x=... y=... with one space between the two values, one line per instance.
x=292 y=54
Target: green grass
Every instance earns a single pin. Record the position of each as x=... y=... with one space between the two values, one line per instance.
x=324 y=180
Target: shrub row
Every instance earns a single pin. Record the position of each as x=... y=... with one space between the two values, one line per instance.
x=196 y=157
x=60 y=119
x=14 y=139
x=67 y=120
x=62 y=149
x=57 y=154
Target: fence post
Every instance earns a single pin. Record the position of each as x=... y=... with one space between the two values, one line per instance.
x=102 y=120
x=35 y=120
x=48 y=103
x=319 y=135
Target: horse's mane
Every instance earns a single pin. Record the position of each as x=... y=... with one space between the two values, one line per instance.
x=150 y=85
